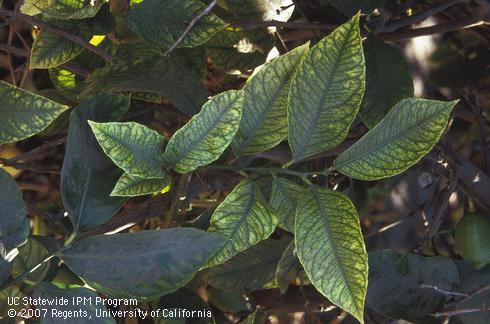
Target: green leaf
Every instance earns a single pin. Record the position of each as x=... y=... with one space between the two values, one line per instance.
x=331 y=248
x=24 y=113
x=61 y=9
x=143 y=69
x=162 y=22
x=143 y=265
x=206 y=136
x=130 y=186
x=88 y=176
x=249 y=270
x=395 y=282
x=326 y=92
x=388 y=80
x=288 y=267
x=284 y=199
x=264 y=117
x=92 y=305
x=351 y=7
x=401 y=139
x=50 y=50
x=14 y=225
x=133 y=147
x=30 y=255
x=244 y=218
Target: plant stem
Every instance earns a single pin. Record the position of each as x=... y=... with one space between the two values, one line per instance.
x=267 y=170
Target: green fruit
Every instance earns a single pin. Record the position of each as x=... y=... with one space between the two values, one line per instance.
x=473 y=239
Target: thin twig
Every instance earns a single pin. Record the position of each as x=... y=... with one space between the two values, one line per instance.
x=444 y=291
x=419 y=17
x=281 y=24
x=471 y=295
x=205 y=12
x=14 y=50
x=25 y=53
x=38 y=150
x=461 y=311
x=57 y=31
x=444 y=28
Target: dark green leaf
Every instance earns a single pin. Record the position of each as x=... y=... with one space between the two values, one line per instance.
x=14 y=225
x=88 y=176
x=130 y=186
x=228 y=301
x=5 y=269
x=264 y=117
x=143 y=265
x=91 y=306
x=284 y=198
x=331 y=248
x=161 y=22
x=471 y=281
x=24 y=113
x=351 y=7
x=326 y=92
x=401 y=139
x=395 y=282
x=249 y=270
x=146 y=70
x=62 y=9
x=133 y=147
x=288 y=267
x=388 y=80
x=234 y=50
x=259 y=10
x=31 y=255
x=206 y=136
x=188 y=300
x=244 y=218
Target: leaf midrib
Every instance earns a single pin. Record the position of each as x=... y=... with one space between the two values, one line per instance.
x=192 y=144
x=399 y=135
x=264 y=112
x=326 y=223
x=318 y=111
x=141 y=154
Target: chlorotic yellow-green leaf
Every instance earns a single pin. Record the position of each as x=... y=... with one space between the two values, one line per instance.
x=388 y=80
x=284 y=198
x=326 y=92
x=407 y=133
x=244 y=218
x=330 y=246
x=162 y=22
x=133 y=147
x=264 y=117
x=50 y=50
x=130 y=186
x=206 y=136
x=24 y=113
